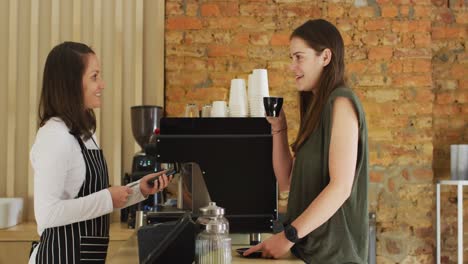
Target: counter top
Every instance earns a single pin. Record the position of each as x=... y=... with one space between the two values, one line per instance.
x=128 y=253
x=28 y=232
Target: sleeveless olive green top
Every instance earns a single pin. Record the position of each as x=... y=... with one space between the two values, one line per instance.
x=344 y=237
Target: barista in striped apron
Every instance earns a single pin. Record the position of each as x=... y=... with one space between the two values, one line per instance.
x=72 y=197
x=85 y=241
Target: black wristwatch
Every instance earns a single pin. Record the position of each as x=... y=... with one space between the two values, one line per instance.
x=291 y=233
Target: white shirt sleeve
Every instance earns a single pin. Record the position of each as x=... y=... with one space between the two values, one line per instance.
x=59 y=172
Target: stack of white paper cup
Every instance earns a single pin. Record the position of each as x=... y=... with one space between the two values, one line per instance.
x=219 y=109
x=459 y=162
x=238 y=99
x=258 y=88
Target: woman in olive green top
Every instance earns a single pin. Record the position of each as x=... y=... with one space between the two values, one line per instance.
x=327 y=217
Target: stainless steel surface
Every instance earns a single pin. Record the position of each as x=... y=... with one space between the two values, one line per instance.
x=212 y=209
x=459 y=184
x=255 y=238
x=145 y=119
x=140 y=219
x=372 y=239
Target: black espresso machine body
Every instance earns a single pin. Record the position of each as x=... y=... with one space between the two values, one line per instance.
x=234 y=158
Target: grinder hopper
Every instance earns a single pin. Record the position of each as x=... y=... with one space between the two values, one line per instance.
x=145 y=119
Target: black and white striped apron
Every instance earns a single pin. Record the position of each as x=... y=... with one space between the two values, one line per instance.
x=86 y=241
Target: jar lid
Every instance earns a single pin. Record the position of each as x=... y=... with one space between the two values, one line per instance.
x=212 y=210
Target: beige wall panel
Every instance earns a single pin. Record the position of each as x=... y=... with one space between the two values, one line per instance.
x=107 y=54
x=4 y=27
x=153 y=48
x=33 y=97
x=128 y=87
x=96 y=12
x=12 y=87
x=66 y=20
x=22 y=100
x=118 y=75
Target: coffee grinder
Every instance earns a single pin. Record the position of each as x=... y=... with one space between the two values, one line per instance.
x=145 y=123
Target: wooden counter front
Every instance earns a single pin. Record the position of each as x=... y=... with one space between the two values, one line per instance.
x=128 y=254
x=15 y=242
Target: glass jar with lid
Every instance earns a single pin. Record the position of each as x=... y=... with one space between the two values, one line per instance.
x=212 y=212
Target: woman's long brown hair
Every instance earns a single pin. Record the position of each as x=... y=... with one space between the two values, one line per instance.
x=319 y=35
x=62 y=89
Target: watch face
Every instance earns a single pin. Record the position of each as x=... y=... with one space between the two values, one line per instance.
x=291 y=233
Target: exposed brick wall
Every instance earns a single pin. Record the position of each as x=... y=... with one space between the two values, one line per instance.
x=406 y=59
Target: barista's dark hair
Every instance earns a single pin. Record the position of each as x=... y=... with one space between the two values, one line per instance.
x=62 y=89
x=319 y=35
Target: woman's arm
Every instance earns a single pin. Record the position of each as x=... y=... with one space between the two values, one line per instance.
x=282 y=158
x=342 y=167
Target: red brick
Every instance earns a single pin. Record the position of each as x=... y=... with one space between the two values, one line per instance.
x=370 y=39
x=241 y=39
x=174 y=9
x=380 y=53
x=446 y=33
x=413 y=80
x=422 y=66
x=175 y=108
x=405 y=53
x=364 y=12
x=389 y=11
x=175 y=94
x=210 y=10
x=422 y=39
x=379 y=24
x=225 y=23
x=424 y=94
x=461 y=18
x=260 y=10
x=207 y=94
x=411 y=26
x=335 y=10
x=299 y=11
x=220 y=9
x=445 y=15
x=463 y=84
x=357 y=67
x=390 y=39
x=376 y=177
x=395 y=67
x=226 y=50
x=422 y=11
x=196 y=64
x=280 y=39
x=183 y=23
x=261 y=39
x=405 y=10
x=422 y=174
x=459 y=71
x=440 y=3
x=191 y=9
x=445 y=98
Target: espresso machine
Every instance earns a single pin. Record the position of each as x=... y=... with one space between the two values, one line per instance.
x=231 y=164
x=145 y=124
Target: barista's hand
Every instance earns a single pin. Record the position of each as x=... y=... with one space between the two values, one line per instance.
x=274 y=247
x=159 y=184
x=119 y=195
x=278 y=123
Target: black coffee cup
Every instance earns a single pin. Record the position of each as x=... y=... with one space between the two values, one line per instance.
x=272 y=105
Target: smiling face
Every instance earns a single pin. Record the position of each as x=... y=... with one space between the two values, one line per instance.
x=92 y=83
x=307 y=64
